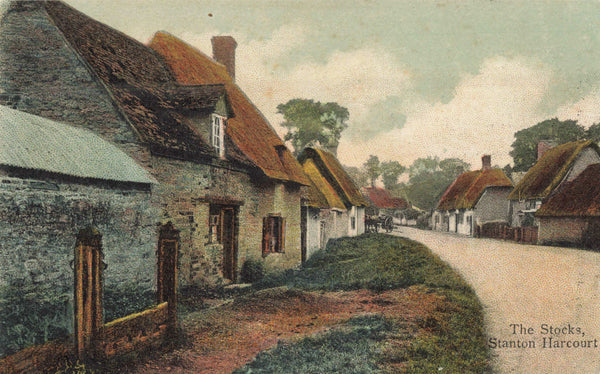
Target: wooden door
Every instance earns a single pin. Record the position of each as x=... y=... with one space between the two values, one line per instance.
x=228 y=239
x=88 y=291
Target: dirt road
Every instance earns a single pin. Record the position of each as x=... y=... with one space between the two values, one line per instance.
x=541 y=304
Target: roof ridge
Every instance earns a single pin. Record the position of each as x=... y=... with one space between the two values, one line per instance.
x=197 y=50
x=563 y=171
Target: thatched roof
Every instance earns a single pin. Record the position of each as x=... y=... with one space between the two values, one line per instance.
x=335 y=175
x=579 y=198
x=550 y=170
x=141 y=85
x=249 y=130
x=467 y=188
x=320 y=192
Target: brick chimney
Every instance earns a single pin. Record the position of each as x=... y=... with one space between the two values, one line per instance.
x=224 y=52
x=543 y=146
x=486 y=162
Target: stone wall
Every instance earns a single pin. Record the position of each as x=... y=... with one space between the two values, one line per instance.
x=561 y=230
x=38 y=230
x=42 y=75
x=185 y=194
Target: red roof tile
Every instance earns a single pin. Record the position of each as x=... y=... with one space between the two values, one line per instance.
x=382 y=198
x=249 y=130
x=579 y=198
x=468 y=187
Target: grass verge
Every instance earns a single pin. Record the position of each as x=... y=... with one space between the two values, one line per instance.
x=452 y=340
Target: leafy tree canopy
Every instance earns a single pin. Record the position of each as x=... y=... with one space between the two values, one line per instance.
x=429 y=178
x=372 y=168
x=312 y=123
x=358 y=175
x=390 y=171
x=524 y=148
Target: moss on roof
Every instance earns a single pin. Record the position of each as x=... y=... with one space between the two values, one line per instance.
x=579 y=198
x=320 y=193
x=549 y=171
x=336 y=176
x=468 y=187
x=249 y=130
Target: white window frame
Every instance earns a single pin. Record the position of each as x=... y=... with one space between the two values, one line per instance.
x=217 y=134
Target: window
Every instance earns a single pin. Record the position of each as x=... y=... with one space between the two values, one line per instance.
x=353 y=223
x=218 y=128
x=273 y=234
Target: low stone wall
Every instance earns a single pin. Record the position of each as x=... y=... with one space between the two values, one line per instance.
x=136 y=332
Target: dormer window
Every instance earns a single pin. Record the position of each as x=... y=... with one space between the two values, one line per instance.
x=218 y=130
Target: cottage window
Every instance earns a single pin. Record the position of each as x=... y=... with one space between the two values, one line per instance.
x=213 y=228
x=273 y=234
x=218 y=129
x=353 y=223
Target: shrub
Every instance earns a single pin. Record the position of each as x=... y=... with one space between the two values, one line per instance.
x=253 y=270
x=31 y=315
x=125 y=299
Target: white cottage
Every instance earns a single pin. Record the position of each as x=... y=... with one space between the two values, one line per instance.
x=334 y=206
x=474 y=198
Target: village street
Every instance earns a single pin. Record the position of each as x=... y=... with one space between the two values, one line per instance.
x=526 y=286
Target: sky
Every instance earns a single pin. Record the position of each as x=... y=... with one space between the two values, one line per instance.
x=419 y=78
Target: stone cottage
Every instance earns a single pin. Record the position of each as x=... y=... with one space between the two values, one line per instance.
x=334 y=207
x=225 y=179
x=572 y=215
x=554 y=168
x=474 y=198
x=56 y=180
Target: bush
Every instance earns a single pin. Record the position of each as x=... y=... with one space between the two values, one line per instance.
x=31 y=315
x=126 y=299
x=253 y=270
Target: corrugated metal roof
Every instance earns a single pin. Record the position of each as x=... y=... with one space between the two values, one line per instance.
x=33 y=142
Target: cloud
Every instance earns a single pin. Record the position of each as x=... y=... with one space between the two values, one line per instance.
x=481 y=118
x=368 y=81
x=357 y=79
x=387 y=118
x=586 y=111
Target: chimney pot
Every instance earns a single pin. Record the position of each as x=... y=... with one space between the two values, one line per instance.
x=486 y=162
x=543 y=146
x=224 y=52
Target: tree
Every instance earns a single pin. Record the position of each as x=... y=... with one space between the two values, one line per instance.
x=524 y=148
x=358 y=175
x=429 y=178
x=390 y=171
x=311 y=123
x=593 y=132
x=372 y=168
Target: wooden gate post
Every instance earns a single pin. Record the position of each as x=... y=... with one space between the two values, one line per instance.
x=88 y=291
x=166 y=270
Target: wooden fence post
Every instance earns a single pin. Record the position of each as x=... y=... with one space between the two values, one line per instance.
x=88 y=289
x=166 y=270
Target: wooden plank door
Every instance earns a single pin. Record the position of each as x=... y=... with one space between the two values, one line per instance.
x=88 y=291
x=228 y=239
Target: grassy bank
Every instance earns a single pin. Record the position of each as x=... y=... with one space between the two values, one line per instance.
x=449 y=340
